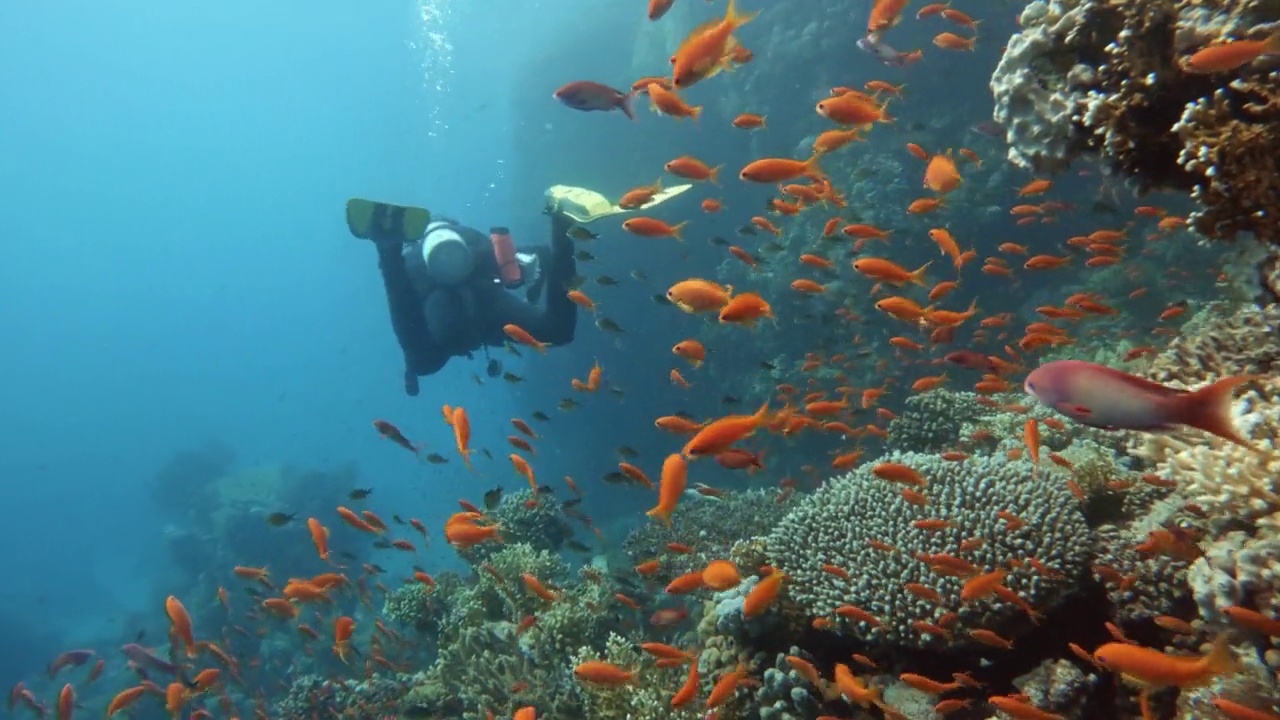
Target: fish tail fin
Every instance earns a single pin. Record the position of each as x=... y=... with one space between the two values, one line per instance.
x=695 y=112
x=1220 y=660
x=714 y=175
x=736 y=19
x=659 y=514
x=1272 y=44
x=761 y=416
x=624 y=104
x=917 y=277
x=1209 y=409
x=811 y=168
x=675 y=231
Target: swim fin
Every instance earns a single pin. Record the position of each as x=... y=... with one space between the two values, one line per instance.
x=586 y=206
x=375 y=220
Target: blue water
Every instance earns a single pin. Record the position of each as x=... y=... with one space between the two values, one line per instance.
x=177 y=269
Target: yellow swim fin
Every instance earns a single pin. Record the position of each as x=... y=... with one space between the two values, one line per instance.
x=586 y=206
x=366 y=218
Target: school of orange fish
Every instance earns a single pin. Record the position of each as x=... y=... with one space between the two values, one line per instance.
x=805 y=188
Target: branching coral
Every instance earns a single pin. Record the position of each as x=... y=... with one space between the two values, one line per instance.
x=647 y=698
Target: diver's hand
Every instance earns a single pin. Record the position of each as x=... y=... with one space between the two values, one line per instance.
x=410 y=383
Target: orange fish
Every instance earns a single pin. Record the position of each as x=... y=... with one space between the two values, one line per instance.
x=180 y=623
x=652 y=227
x=721 y=434
x=691 y=350
x=762 y=596
x=890 y=272
x=343 y=627
x=462 y=432
x=1231 y=54
x=775 y=170
x=885 y=14
x=675 y=477
x=691 y=168
x=853 y=109
x=520 y=335
x=696 y=296
x=668 y=102
x=941 y=175
x=951 y=41
x=1154 y=669
x=703 y=53
x=746 y=309
x=749 y=121
x=637 y=197
x=599 y=672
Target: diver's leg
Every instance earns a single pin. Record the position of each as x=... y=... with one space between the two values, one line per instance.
x=562 y=313
x=407 y=320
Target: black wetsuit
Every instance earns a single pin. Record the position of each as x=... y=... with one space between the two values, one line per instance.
x=434 y=322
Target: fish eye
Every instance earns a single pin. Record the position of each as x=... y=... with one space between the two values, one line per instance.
x=1031 y=386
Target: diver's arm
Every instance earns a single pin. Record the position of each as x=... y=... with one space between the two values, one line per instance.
x=557 y=322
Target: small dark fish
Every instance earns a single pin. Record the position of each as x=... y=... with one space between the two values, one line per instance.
x=575 y=282
x=661 y=299
x=639 y=274
x=544 y=490
x=627 y=451
x=493 y=368
x=608 y=325
x=570 y=502
x=492 y=498
x=359 y=493
x=773 y=246
x=397 y=519
x=512 y=377
x=717 y=240
x=577 y=546
x=748 y=230
x=279 y=519
x=587 y=96
x=584 y=256
x=512 y=348
x=347 y=554
x=377 y=569
x=567 y=404
x=990 y=128
x=540 y=416
x=606 y=281
x=617 y=391
x=476 y=379
x=437 y=459
x=382 y=544
x=765 y=365
x=486 y=453
x=580 y=233
x=730 y=400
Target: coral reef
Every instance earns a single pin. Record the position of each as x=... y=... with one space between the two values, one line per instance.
x=1106 y=76
x=540 y=525
x=711 y=526
x=835 y=524
x=648 y=698
x=934 y=420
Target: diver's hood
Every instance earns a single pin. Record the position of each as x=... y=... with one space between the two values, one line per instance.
x=446 y=257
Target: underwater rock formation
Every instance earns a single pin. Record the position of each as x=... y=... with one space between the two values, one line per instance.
x=835 y=524
x=1106 y=76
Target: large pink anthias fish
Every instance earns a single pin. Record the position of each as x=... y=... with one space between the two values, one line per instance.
x=1106 y=398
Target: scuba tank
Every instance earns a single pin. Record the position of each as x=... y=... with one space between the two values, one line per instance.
x=504 y=251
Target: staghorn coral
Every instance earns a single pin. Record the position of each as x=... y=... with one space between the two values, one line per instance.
x=834 y=525
x=1218 y=342
x=578 y=618
x=648 y=698
x=477 y=670
x=499 y=594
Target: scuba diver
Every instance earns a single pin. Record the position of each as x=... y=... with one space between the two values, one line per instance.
x=450 y=287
